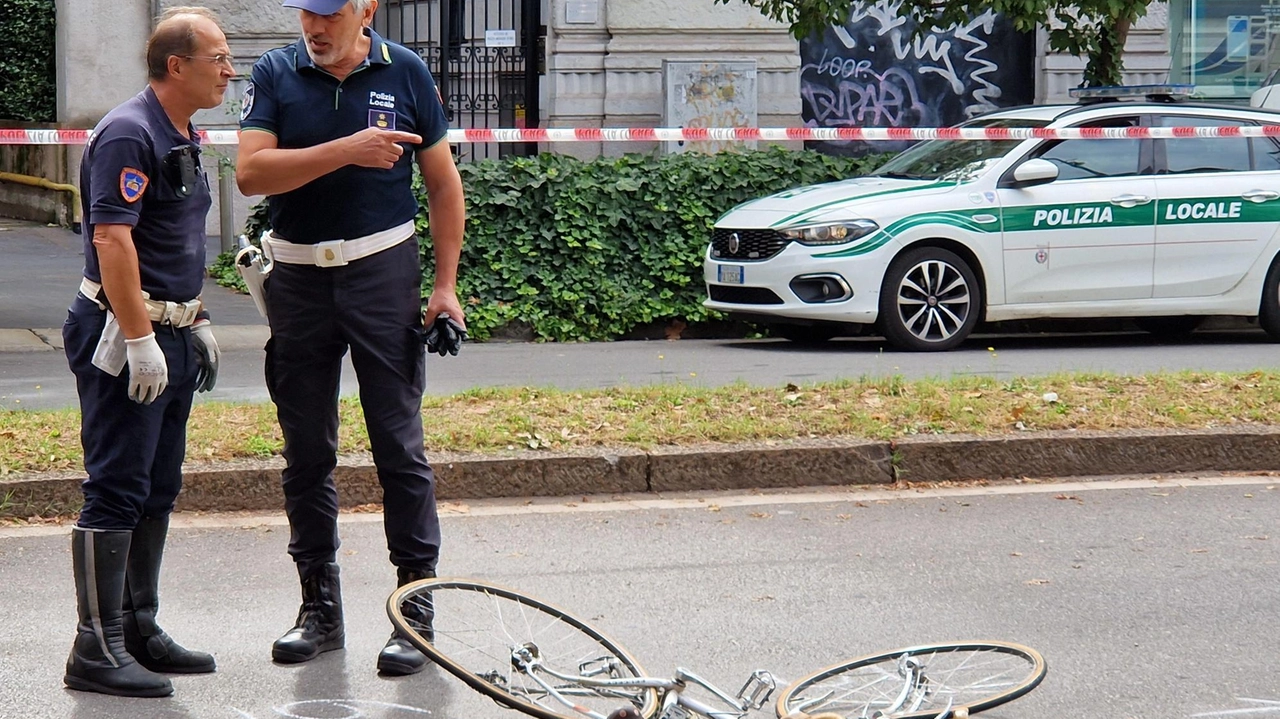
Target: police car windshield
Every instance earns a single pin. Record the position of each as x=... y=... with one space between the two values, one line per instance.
x=954 y=160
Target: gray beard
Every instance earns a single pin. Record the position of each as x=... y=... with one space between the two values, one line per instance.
x=321 y=60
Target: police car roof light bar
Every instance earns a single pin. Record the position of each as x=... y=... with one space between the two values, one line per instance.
x=1113 y=93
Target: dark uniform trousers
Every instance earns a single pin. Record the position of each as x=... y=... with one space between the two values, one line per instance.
x=373 y=306
x=132 y=452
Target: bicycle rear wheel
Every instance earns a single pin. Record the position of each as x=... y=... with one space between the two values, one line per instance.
x=473 y=628
x=919 y=682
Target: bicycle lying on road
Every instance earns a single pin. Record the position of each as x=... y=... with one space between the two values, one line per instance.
x=533 y=657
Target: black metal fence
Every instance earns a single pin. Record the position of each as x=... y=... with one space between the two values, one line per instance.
x=486 y=56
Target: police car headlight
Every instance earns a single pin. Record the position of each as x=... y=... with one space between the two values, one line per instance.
x=836 y=233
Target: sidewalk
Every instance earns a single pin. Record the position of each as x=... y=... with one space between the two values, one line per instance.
x=40 y=270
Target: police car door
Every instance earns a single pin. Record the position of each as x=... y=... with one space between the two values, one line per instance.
x=1216 y=212
x=1090 y=234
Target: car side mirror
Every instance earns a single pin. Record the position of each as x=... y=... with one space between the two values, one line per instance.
x=1034 y=172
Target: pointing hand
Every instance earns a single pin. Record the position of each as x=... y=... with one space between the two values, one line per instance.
x=373 y=147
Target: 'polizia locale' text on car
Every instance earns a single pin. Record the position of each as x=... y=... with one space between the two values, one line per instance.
x=952 y=232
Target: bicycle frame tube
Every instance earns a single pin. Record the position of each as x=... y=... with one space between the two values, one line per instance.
x=671 y=687
x=684 y=676
x=622 y=683
x=534 y=667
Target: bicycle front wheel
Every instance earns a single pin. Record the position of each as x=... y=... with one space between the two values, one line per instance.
x=919 y=682
x=488 y=636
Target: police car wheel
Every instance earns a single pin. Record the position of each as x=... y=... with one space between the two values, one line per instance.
x=929 y=300
x=1269 y=311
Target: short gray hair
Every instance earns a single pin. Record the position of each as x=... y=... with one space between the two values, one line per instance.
x=359 y=5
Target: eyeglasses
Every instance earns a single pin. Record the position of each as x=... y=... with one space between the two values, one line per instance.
x=219 y=59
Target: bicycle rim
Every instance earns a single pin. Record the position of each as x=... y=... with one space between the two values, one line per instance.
x=969 y=676
x=477 y=625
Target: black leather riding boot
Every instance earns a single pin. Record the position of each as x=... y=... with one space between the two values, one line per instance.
x=319 y=626
x=99 y=661
x=399 y=657
x=144 y=639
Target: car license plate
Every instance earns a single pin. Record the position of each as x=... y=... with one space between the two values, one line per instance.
x=729 y=274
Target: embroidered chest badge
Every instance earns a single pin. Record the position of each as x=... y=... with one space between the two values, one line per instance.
x=382 y=119
x=132 y=184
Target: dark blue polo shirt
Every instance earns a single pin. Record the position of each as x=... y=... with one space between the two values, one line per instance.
x=131 y=175
x=302 y=105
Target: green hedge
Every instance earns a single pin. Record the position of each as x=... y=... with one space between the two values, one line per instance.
x=28 y=78
x=590 y=250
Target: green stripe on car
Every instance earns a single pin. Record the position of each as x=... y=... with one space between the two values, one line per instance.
x=1074 y=216
x=1215 y=209
x=802 y=216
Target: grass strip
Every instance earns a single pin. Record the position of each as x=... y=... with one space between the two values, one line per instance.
x=537 y=420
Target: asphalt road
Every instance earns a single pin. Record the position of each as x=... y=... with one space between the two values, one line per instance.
x=40 y=268
x=1148 y=599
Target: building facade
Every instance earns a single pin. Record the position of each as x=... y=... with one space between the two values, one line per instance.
x=611 y=63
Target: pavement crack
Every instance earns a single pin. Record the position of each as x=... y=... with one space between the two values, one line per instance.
x=44 y=338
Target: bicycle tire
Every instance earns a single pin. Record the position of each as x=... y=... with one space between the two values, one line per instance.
x=801 y=694
x=453 y=602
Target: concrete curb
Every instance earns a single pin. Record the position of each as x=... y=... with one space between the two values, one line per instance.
x=25 y=341
x=230 y=337
x=255 y=485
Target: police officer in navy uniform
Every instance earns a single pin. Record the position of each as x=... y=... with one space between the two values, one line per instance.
x=140 y=346
x=330 y=128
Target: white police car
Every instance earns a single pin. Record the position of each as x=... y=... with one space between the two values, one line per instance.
x=951 y=232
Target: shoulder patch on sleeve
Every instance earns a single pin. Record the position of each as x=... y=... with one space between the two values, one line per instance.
x=246 y=105
x=132 y=184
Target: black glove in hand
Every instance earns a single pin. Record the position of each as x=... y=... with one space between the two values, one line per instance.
x=445 y=336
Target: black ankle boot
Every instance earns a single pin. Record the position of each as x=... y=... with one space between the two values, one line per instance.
x=144 y=639
x=99 y=661
x=399 y=657
x=319 y=626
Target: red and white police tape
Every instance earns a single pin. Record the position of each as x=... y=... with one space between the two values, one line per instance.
x=730 y=134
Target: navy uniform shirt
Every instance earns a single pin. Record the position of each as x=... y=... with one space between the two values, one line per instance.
x=138 y=170
x=302 y=105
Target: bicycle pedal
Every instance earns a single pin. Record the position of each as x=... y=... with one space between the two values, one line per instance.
x=755 y=692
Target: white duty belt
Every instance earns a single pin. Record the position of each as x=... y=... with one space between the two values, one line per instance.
x=335 y=253
x=176 y=314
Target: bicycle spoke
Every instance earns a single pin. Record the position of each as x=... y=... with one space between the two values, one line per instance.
x=498 y=640
x=973 y=676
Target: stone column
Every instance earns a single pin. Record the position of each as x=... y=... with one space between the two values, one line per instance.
x=577 y=40
x=101 y=61
x=101 y=57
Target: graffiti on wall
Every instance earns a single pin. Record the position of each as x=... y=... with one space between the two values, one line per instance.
x=873 y=71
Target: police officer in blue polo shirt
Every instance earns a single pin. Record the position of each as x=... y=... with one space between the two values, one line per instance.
x=331 y=126
x=140 y=345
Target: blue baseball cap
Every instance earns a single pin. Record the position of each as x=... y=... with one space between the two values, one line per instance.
x=319 y=7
